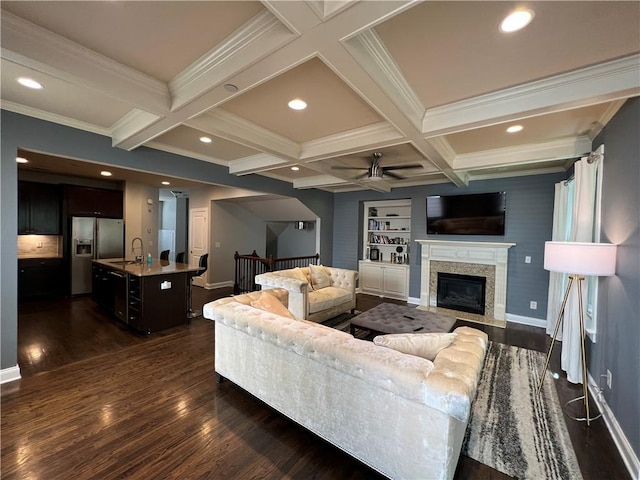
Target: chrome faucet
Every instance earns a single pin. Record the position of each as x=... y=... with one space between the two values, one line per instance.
x=133 y=249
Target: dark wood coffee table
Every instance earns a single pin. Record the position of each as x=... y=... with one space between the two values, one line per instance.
x=392 y=318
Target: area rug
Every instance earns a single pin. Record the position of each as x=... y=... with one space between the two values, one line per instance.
x=343 y=322
x=512 y=429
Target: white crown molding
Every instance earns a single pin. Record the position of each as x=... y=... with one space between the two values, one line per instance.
x=326 y=9
x=553 y=150
x=186 y=153
x=606 y=116
x=54 y=118
x=444 y=148
x=129 y=125
x=515 y=173
x=607 y=81
x=439 y=178
x=318 y=181
x=381 y=134
x=255 y=164
x=371 y=53
x=34 y=47
x=231 y=127
x=255 y=39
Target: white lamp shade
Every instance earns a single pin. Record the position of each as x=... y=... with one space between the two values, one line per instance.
x=578 y=258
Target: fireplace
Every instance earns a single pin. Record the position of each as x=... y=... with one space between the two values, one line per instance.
x=483 y=259
x=461 y=292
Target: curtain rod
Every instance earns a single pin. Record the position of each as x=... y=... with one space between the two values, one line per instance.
x=591 y=157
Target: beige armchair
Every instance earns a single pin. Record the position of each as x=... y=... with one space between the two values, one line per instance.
x=324 y=293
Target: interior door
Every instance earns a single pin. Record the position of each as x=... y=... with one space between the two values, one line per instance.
x=198 y=239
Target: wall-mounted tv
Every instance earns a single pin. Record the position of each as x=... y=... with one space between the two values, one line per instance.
x=471 y=214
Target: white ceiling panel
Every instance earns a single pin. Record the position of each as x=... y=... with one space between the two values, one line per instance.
x=431 y=85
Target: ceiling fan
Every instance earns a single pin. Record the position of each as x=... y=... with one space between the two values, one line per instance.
x=376 y=171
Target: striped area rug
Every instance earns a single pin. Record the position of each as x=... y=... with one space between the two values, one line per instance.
x=512 y=429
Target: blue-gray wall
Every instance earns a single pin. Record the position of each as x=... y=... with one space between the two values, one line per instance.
x=19 y=131
x=618 y=341
x=529 y=222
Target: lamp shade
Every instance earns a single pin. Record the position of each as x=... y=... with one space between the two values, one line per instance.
x=578 y=258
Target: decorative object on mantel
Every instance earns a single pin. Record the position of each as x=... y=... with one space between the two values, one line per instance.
x=504 y=432
x=578 y=259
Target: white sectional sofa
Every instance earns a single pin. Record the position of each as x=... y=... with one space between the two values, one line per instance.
x=402 y=415
x=308 y=302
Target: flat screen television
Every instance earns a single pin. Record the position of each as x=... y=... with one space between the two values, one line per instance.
x=470 y=214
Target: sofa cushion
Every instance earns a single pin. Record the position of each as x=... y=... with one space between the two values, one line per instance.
x=425 y=345
x=319 y=277
x=327 y=298
x=296 y=273
x=271 y=304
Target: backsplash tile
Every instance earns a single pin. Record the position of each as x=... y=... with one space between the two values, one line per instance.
x=39 y=246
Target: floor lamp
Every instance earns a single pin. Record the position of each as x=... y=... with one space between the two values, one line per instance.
x=578 y=260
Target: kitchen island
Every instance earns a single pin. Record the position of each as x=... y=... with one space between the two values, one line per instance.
x=147 y=298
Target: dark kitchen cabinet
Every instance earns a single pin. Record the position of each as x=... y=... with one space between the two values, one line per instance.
x=39 y=206
x=147 y=303
x=94 y=202
x=152 y=308
x=102 y=287
x=40 y=278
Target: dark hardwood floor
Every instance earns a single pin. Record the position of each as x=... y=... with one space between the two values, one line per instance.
x=98 y=401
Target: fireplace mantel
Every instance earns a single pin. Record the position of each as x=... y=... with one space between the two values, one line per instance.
x=478 y=253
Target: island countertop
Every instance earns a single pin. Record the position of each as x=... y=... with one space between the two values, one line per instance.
x=158 y=267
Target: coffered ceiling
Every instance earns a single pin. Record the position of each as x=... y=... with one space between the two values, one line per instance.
x=433 y=85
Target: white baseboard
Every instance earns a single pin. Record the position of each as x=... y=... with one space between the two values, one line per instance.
x=629 y=457
x=413 y=301
x=211 y=286
x=534 y=322
x=10 y=374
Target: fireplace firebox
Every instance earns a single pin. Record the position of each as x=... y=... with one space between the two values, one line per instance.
x=461 y=292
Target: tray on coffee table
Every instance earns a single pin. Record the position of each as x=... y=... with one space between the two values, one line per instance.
x=392 y=318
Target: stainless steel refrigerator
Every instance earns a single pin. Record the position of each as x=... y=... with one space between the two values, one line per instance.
x=93 y=238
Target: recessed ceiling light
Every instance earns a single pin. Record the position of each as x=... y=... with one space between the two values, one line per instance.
x=205 y=140
x=516 y=20
x=166 y=183
x=514 y=128
x=30 y=83
x=297 y=104
x=105 y=173
x=295 y=169
x=21 y=160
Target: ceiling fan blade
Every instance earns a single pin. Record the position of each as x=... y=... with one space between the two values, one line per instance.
x=402 y=167
x=362 y=177
x=392 y=175
x=349 y=168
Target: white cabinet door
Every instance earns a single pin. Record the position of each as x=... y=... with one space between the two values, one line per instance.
x=395 y=281
x=370 y=277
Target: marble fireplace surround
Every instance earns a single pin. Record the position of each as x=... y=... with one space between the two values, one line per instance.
x=484 y=259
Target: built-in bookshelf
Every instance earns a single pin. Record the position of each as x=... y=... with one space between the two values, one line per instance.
x=384 y=268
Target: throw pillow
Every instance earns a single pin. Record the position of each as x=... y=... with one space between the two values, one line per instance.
x=426 y=345
x=271 y=304
x=319 y=277
x=298 y=274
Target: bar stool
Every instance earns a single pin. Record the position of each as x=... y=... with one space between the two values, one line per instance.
x=164 y=255
x=202 y=268
x=180 y=257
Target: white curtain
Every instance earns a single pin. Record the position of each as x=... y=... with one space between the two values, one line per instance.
x=581 y=216
x=560 y=233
